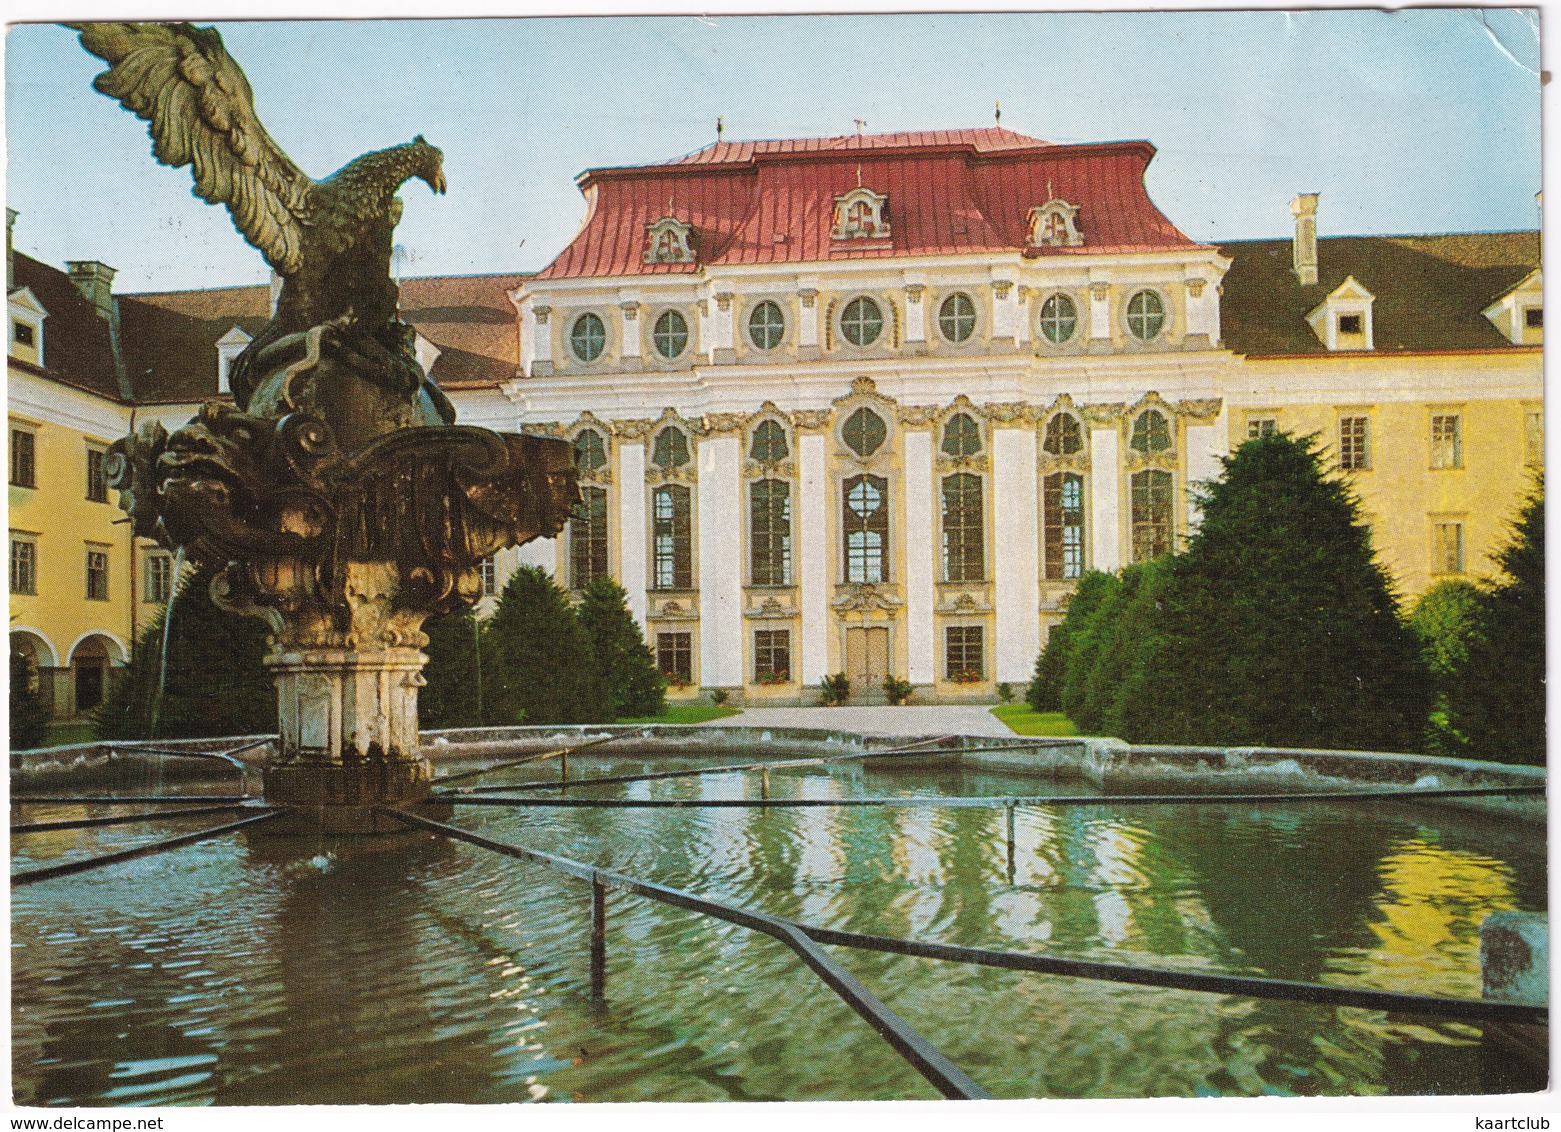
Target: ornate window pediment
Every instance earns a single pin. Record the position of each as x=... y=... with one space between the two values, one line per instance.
x=1055 y=225
x=669 y=240
x=859 y=215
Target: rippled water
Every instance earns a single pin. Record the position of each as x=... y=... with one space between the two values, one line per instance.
x=254 y=970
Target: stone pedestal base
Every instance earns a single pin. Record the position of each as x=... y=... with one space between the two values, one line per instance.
x=345 y=798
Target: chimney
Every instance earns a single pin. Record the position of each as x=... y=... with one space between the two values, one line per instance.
x=1304 y=209
x=10 y=256
x=95 y=281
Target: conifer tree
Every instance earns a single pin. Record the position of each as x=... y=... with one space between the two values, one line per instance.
x=625 y=667
x=29 y=722
x=1276 y=627
x=1447 y=620
x=453 y=693
x=1083 y=650
x=537 y=663
x=1499 y=701
x=216 y=683
x=1045 y=690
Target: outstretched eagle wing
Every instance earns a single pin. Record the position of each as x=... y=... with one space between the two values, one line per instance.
x=181 y=80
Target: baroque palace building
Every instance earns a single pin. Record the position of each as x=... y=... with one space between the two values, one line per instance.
x=872 y=404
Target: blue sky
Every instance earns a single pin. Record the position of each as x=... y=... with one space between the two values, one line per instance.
x=1410 y=121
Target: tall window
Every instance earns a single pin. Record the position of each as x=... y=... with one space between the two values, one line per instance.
x=1534 y=438
x=24 y=459
x=1447 y=441
x=97 y=475
x=588 y=338
x=670 y=334
x=24 y=564
x=766 y=326
x=672 y=538
x=963 y=544
x=97 y=575
x=1145 y=315
x=159 y=577
x=1354 y=443
x=770 y=532
x=771 y=656
x=588 y=538
x=675 y=657
x=1063 y=435
x=1448 y=548
x=864 y=432
x=670 y=449
x=590 y=450
x=1151 y=432
x=961 y=436
x=769 y=443
x=488 y=572
x=1261 y=426
x=957 y=317
x=1063 y=519
x=963 y=655
x=1151 y=515
x=861 y=322
x=865 y=519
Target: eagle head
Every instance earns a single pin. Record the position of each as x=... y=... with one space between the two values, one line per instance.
x=429 y=163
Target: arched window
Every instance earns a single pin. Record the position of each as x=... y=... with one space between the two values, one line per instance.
x=957 y=317
x=963 y=544
x=588 y=337
x=588 y=538
x=672 y=537
x=864 y=432
x=861 y=322
x=590 y=450
x=1062 y=508
x=865 y=521
x=961 y=436
x=1151 y=432
x=769 y=528
x=670 y=449
x=769 y=443
x=1059 y=318
x=1063 y=435
x=1145 y=315
x=766 y=325
x=670 y=334
x=1151 y=514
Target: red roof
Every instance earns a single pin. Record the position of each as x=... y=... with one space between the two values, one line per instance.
x=948 y=192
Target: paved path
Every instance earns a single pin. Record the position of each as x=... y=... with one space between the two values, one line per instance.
x=911 y=720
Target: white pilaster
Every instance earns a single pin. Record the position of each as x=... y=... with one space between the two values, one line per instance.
x=813 y=556
x=1206 y=443
x=920 y=556
x=629 y=329
x=1016 y=566
x=720 y=562
x=540 y=319
x=722 y=313
x=1099 y=310
x=631 y=526
x=1004 y=300
x=1104 y=500
x=807 y=318
x=915 y=331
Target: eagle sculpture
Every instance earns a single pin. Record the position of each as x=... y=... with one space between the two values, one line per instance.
x=330 y=240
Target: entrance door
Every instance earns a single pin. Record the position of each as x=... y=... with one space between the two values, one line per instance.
x=867 y=663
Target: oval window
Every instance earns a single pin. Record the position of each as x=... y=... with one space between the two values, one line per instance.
x=957 y=317
x=861 y=322
x=670 y=334
x=1145 y=315
x=588 y=338
x=1059 y=318
x=766 y=325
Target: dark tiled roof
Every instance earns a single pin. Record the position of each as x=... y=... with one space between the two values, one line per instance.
x=77 y=346
x=170 y=338
x=1429 y=290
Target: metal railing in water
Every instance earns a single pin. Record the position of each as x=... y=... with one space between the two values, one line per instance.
x=947 y=1078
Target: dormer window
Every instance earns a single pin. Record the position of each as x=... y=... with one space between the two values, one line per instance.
x=26 y=315
x=229 y=347
x=669 y=240
x=1055 y=225
x=1342 y=321
x=860 y=215
x=1520 y=313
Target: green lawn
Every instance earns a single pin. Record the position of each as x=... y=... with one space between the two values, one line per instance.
x=685 y=713
x=1022 y=721
x=74 y=731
